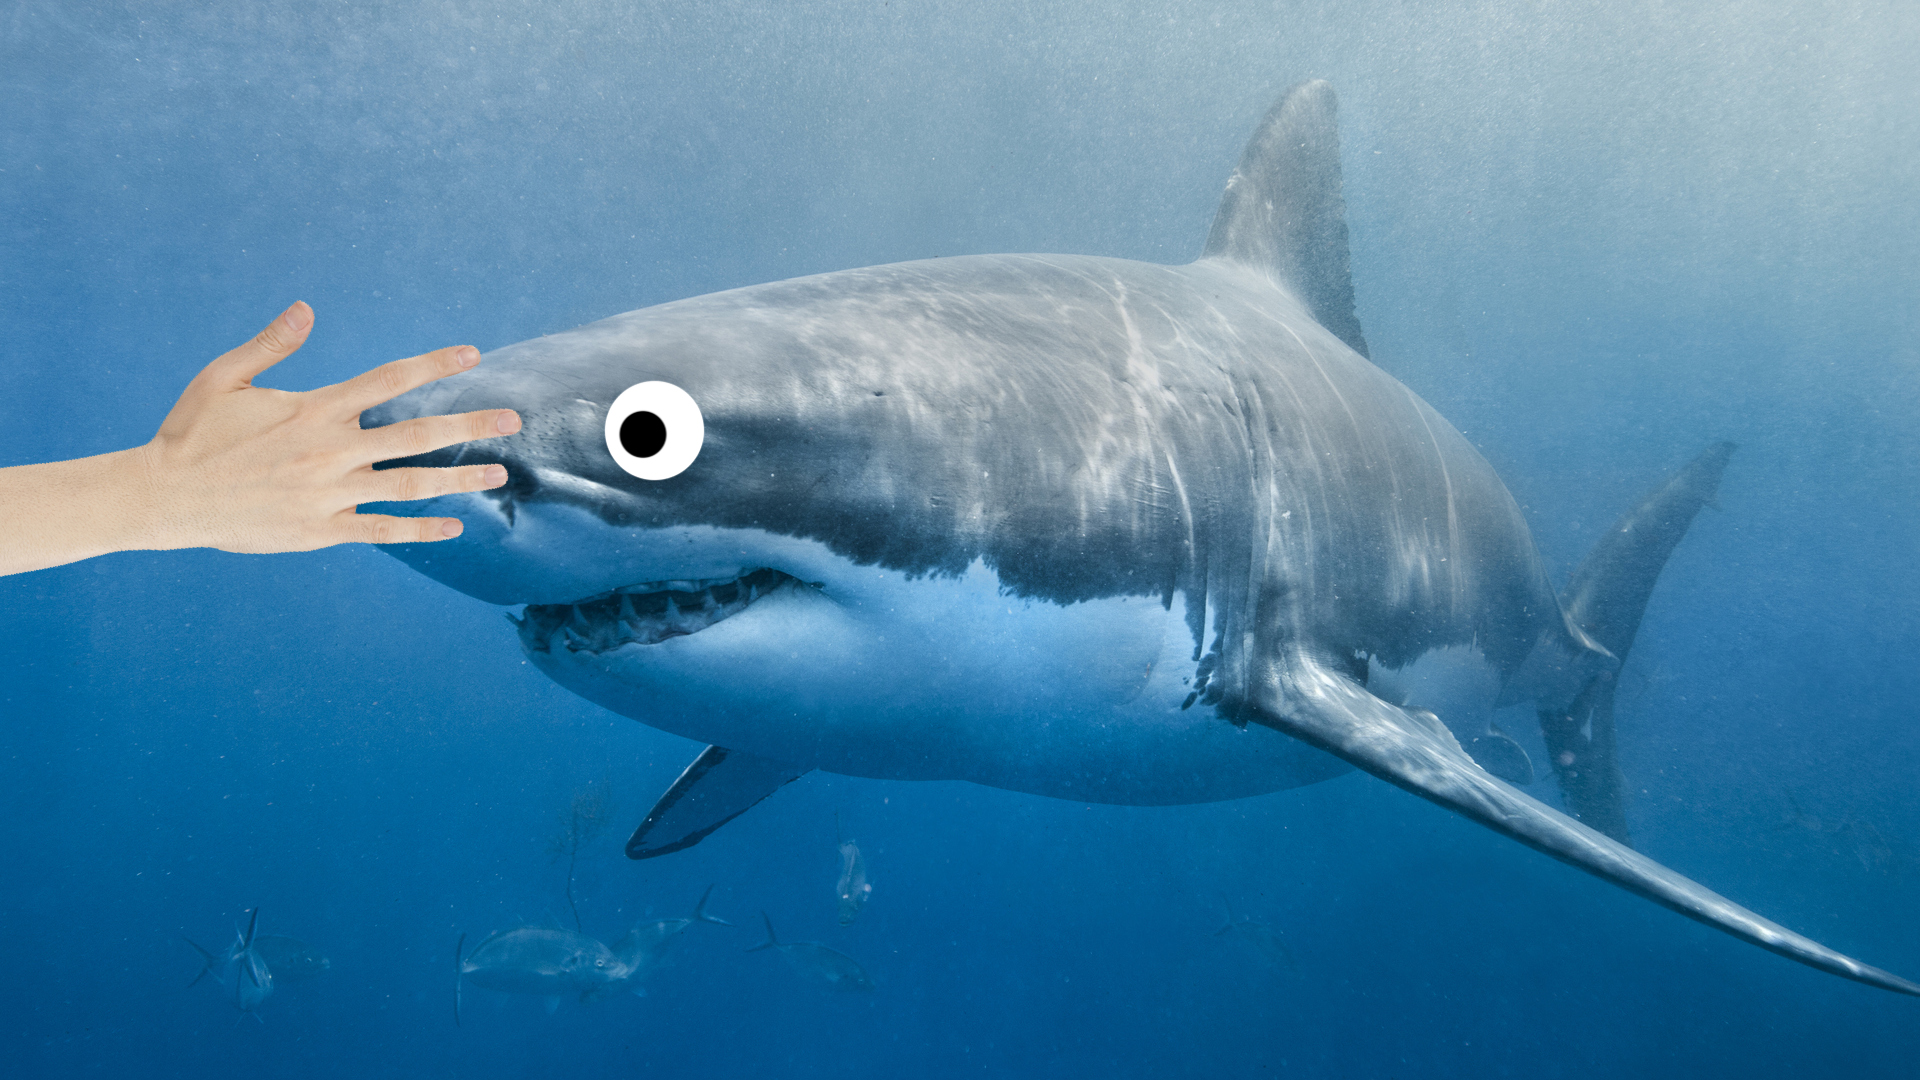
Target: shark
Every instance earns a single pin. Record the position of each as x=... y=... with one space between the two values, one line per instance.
x=1078 y=526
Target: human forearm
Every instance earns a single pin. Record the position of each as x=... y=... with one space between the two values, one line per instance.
x=64 y=511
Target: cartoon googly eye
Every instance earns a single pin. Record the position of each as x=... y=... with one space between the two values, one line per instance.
x=654 y=430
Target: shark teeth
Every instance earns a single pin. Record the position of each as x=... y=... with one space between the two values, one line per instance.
x=646 y=613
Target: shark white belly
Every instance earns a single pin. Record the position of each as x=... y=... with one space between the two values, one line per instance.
x=946 y=679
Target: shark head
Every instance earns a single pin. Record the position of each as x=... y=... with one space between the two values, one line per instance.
x=572 y=523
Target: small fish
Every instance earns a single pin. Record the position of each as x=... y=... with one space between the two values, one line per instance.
x=644 y=949
x=1851 y=835
x=290 y=959
x=815 y=961
x=1872 y=849
x=552 y=964
x=854 y=888
x=1260 y=937
x=242 y=973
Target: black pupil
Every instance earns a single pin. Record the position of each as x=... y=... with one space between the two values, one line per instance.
x=643 y=434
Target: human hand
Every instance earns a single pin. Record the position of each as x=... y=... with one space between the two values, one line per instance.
x=241 y=467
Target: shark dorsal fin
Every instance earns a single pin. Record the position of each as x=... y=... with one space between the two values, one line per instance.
x=1283 y=212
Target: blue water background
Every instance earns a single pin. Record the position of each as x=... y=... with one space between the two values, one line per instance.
x=1595 y=235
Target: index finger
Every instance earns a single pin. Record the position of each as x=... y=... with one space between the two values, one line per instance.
x=388 y=381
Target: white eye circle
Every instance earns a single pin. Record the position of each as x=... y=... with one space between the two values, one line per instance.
x=654 y=430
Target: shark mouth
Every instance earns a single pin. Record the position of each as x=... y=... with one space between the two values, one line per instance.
x=644 y=614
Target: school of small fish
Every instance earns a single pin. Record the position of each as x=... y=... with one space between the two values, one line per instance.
x=555 y=964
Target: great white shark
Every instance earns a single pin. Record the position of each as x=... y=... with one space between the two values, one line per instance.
x=1084 y=527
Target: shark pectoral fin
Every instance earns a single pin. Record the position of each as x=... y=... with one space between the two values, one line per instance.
x=719 y=786
x=1495 y=751
x=1328 y=710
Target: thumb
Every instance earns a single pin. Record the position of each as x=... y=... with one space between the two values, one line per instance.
x=282 y=337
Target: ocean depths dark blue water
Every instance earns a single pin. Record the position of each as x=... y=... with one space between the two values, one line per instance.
x=1595 y=235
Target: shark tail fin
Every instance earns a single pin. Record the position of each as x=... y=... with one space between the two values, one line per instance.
x=772 y=941
x=1606 y=598
x=459 y=976
x=700 y=911
x=207 y=961
x=1283 y=212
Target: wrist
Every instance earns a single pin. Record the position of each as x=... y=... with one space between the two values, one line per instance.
x=137 y=487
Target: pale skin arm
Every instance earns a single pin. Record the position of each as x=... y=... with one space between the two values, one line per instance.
x=241 y=467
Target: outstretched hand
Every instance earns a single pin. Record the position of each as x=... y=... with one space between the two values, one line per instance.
x=241 y=467
x=244 y=468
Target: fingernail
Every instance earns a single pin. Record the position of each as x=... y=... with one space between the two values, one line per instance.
x=508 y=422
x=495 y=475
x=296 y=318
x=450 y=528
x=466 y=356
